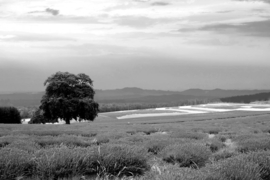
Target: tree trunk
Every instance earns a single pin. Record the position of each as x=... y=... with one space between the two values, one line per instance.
x=67 y=121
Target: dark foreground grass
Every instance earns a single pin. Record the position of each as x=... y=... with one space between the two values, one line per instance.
x=192 y=155
x=181 y=150
x=64 y=162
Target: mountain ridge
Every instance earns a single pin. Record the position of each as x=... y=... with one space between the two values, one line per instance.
x=131 y=95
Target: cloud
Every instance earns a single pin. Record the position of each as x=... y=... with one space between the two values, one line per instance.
x=141 y=0
x=160 y=4
x=139 y=21
x=265 y=1
x=256 y=28
x=223 y=12
x=6 y=37
x=33 y=38
x=52 y=11
x=132 y=21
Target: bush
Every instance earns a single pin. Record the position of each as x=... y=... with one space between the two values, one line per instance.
x=25 y=145
x=106 y=160
x=187 y=135
x=57 y=163
x=122 y=160
x=10 y=115
x=209 y=130
x=221 y=155
x=10 y=139
x=100 y=139
x=262 y=158
x=135 y=139
x=173 y=173
x=156 y=145
x=38 y=118
x=45 y=132
x=15 y=163
x=236 y=168
x=193 y=155
x=222 y=138
x=146 y=130
x=215 y=145
x=68 y=140
x=253 y=143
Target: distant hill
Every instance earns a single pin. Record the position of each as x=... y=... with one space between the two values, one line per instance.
x=21 y=99
x=221 y=93
x=132 y=95
x=173 y=98
x=248 y=98
x=129 y=93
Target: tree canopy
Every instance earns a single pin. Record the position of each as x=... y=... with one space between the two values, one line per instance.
x=69 y=96
x=9 y=115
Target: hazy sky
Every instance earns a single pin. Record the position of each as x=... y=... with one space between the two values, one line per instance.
x=152 y=44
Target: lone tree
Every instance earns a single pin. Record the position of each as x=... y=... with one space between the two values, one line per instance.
x=69 y=96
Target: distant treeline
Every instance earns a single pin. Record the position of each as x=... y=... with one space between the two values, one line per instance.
x=110 y=107
x=247 y=98
x=9 y=115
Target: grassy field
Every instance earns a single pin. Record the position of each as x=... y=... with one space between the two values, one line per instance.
x=209 y=146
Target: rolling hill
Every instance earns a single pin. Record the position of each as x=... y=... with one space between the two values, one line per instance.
x=221 y=93
x=132 y=95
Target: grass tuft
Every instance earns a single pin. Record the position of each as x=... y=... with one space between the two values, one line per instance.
x=192 y=155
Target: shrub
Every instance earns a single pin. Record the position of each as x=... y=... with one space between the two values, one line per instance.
x=236 y=168
x=100 y=139
x=9 y=139
x=262 y=158
x=253 y=143
x=173 y=173
x=156 y=145
x=38 y=118
x=25 y=145
x=15 y=163
x=3 y=143
x=147 y=130
x=122 y=160
x=215 y=145
x=106 y=160
x=187 y=155
x=68 y=140
x=10 y=115
x=56 y=132
x=187 y=135
x=209 y=130
x=137 y=139
x=222 y=138
x=57 y=163
x=221 y=155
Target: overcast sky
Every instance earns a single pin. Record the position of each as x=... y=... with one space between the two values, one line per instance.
x=151 y=44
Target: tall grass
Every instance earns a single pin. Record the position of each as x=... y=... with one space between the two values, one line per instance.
x=65 y=162
x=15 y=163
x=193 y=155
x=236 y=168
x=253 y=142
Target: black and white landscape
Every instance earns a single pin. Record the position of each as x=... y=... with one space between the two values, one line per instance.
x=134 y=89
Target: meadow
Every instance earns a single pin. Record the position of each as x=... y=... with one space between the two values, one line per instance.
x=223 y=145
